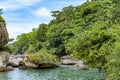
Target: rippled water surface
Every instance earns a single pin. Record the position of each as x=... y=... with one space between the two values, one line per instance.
x=51 y=74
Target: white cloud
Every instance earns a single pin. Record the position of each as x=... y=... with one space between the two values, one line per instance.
x=15 y=4
x=15 y=29
x=42 y=12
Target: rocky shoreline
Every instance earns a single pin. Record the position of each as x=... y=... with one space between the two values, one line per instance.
x=8 y=62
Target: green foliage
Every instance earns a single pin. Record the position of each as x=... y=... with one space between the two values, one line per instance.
x=2 y=20
x=21 y=45
x=113 y=70
x=11 y=39
x=113 y=65
x=6 y=48
x=41 y=33
x=89 y=31
x=42 y=57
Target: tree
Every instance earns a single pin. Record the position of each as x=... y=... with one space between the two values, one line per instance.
x=116 y=10
x=11 y=39
x=41 y=32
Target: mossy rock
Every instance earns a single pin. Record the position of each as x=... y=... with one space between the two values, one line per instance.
x=43 y=59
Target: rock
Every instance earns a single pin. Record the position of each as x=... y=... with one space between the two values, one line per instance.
x=82 y=66
x=4 y=69
x=27 y=64
x=4 y=57
x=14 y=60
x=67 y=60
x=80 y=62
x=3 y=33
x=10 y=68
x=44 y=61
x=22 y=62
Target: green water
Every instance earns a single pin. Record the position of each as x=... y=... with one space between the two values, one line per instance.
x=51 y=74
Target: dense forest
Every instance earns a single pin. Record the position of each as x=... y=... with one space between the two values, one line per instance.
x=90 y=32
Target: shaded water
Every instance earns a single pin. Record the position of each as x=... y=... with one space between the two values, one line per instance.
x=51 y=74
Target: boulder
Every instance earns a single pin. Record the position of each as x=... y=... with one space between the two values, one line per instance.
x=14 y=60
x=43 y=61
x=28 y=63
x=67 y=60
x=25 y=63
x=20 y=61
x=81 y=65
x=4 y=57
x=7 y=68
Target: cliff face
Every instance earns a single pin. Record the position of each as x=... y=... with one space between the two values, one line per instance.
x=3 y=33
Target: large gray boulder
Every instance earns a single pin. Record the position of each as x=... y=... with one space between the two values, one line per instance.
x=71 y=62
x=4 y=57
x=25 y=63
x=20 y=61
x=67 y=60
x=14 y=60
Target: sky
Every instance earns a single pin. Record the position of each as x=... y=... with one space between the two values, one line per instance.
x=22 y=16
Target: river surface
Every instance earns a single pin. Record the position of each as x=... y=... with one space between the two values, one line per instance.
x=51 y=74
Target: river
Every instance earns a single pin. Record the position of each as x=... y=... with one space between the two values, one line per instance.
x=51 y=74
